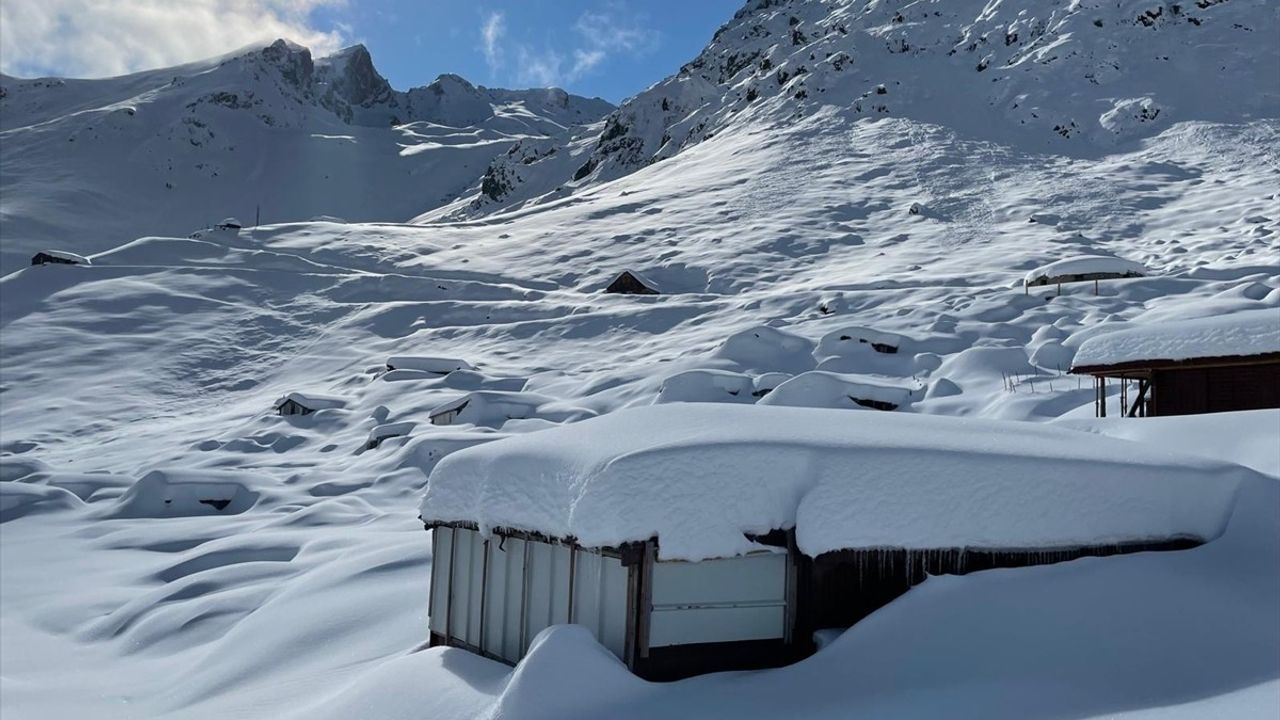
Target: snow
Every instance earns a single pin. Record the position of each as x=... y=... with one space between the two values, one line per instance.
x=783 y=212
x=438 y=365
x=183 y=493
x=1252 y=332
x=834 y=390
x=1085 y=265
x=699 y=477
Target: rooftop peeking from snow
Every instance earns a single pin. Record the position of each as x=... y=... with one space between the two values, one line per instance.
x=701 y=478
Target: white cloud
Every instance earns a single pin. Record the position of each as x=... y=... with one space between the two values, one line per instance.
x=97 y=38
x=601 y=34
x=491 y=32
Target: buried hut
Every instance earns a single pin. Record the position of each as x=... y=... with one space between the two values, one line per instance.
x=706 y=537
x=58 y=257
x=297 y=403
x=1083 y=269
x=630 y=282
x=1186 y=367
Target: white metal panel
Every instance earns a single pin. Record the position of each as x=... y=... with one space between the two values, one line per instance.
x=686 y=626
x=468 y=571
x=750 y=578
x=599 y=599
x=441 y=541
x=548 y=593
x=722 y=600
x=503 y=597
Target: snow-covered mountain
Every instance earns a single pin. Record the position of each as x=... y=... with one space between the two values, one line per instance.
x=88 y=164
x=1075 y=77
x=791 y=226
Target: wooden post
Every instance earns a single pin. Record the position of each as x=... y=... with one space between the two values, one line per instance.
x=1095 y=286
x=1103 y=399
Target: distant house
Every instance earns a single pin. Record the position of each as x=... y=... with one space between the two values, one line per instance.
x=1083 y=269
x=694 y=538
x=228 y=224
x=58 y=257
x=629 y=282
x=1204 y=365
x=296 y=403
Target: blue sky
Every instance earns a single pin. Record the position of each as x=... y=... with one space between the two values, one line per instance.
x=606 y=48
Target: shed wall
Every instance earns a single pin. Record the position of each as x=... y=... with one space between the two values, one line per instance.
x=1188 y=391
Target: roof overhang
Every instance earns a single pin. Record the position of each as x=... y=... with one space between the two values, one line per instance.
x=1133 y=367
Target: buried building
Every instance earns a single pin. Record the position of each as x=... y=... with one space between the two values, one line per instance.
x=1186 y=367
x=696 y=538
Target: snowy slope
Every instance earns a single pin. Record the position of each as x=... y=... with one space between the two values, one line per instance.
x=1073 y=77
x=781 y=243
x=88 y=164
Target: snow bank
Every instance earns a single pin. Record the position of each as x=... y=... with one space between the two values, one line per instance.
x=437 y=365
x=22 y=499
x=854 y=339
x=699 y=476
x=821 y=389
x=1252 y=332
x=768 y=349
x=706 y=386
x=183 y=493
x=1084 y=265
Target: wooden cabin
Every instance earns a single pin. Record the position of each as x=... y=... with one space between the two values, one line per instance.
x=1206 y=365
x=58 y=257
x=696 y=593
x=230 y=224
x=296 y=403
x=631 y=283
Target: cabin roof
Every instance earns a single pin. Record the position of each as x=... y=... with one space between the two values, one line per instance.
x=701 y=477
x=1086 y=265
x=1251 y=333
x=428 y=363
x=229 y=222
x=312 y=401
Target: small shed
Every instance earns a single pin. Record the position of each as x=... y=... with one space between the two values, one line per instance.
x=58 y=257
x=427 y=364
x=1084 y=268
x=1187 y=367
x=297 y=403
x=693 y=538
x=228 y=224
x=494 y=408
x=630 y=282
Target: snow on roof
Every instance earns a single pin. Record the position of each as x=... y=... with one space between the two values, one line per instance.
x=493 y=408
x=699 y=476
x=425 y=363
x=229 y=222
x=312 y=401
x=854 y=338
x=390 y=430
x=1086 y=265
x=819 y=388
x=1251 y=332
x=69 y=256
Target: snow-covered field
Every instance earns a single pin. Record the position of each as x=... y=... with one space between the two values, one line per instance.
x=786 y=249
